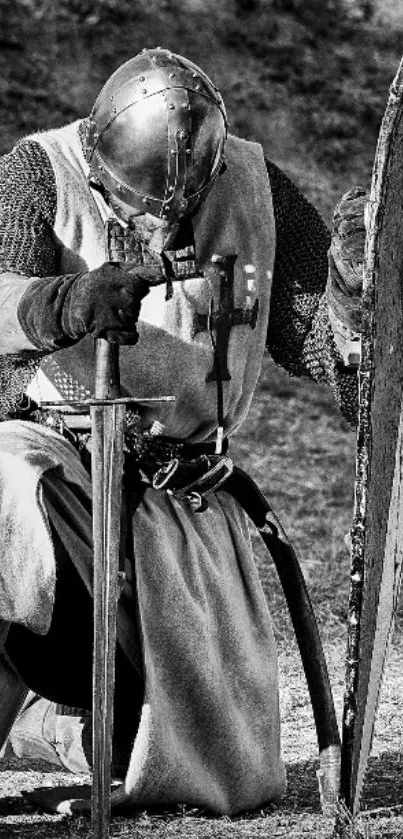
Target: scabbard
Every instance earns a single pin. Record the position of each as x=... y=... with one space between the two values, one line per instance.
x=245 y=491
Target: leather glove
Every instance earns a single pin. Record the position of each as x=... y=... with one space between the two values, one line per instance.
x=56 y=312
x=346 y=258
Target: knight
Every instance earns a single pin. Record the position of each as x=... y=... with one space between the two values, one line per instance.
x=218 y=258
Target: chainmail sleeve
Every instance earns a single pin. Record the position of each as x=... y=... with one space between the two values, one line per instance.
x=27 y=210
x=300 y=338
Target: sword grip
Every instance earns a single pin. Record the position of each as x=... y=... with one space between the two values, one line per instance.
x=107 y=376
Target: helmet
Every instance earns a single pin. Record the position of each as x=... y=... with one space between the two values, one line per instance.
x=155 y=137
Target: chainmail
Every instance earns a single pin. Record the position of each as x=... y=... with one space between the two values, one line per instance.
x=27 y=211
x=299 y=338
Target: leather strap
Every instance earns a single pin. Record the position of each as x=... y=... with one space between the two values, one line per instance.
x=245 y=491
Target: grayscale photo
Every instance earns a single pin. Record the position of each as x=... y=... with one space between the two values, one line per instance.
x=201 y=427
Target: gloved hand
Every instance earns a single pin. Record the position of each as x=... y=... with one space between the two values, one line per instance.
x=56 y=312
x=346 y=258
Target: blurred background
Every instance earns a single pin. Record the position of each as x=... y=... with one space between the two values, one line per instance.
x=309 y=80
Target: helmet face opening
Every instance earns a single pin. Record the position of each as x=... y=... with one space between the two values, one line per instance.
x=156 y=134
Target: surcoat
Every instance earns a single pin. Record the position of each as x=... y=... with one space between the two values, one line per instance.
x=209 y=733
x=174 y=355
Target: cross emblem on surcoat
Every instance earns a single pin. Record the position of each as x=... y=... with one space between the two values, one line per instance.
x=220 y=322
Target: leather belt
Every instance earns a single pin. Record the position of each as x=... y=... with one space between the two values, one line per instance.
x=191 y=481
x=188 y=471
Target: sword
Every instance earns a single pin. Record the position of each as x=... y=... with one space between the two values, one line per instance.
x=108 y=413
x=107 y=428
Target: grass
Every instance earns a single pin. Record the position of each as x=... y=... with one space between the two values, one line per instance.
x=301 y=453
x=297 y=815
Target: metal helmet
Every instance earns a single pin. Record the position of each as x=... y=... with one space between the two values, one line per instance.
x=156 y=134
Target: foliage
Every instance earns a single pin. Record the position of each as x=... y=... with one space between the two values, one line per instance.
x=326 y=10
x=331 y=65
x=322 y=57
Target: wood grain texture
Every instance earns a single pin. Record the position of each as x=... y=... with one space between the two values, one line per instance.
x=376 y=556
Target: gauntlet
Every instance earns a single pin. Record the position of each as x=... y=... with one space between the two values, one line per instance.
x=346 y=258
x=56 y=312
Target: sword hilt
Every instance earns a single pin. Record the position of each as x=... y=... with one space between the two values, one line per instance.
x=107 y=374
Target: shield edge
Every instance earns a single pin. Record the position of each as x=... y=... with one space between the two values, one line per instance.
x=355 y=753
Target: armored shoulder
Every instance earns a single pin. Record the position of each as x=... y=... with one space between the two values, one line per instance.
x=300 y=337
x=300 y=270
x=300 y=230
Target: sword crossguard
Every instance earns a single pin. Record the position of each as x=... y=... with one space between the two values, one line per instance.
x=107 y=389
x=84 y=405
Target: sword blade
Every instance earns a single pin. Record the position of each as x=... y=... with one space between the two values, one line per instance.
x=107 y=474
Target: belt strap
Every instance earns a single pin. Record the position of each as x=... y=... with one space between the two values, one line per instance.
x=243 y=488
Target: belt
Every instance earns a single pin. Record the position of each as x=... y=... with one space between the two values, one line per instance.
x=188 y=471
x=191 y=480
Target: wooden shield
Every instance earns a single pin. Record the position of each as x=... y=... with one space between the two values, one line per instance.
x=377 y=534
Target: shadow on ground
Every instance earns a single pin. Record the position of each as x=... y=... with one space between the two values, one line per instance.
x=383 y=791
x=383 y=787
x=384 y=782
x=303 y=791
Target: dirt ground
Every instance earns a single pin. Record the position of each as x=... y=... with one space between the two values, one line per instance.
x=310 y=82
x=297 y=815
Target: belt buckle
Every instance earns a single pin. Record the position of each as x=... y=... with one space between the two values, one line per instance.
x=164 y=474
x=194 y=494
